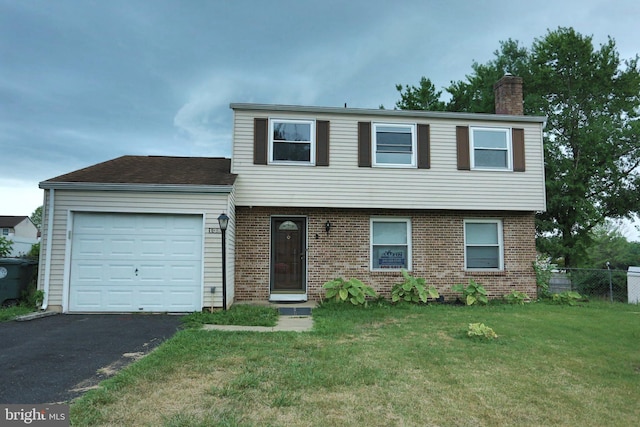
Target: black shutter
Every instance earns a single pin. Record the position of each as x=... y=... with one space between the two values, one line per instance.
x=260 y=141
x=322 y=143
x=364 y=144
x=424 y=155
x=517 y=142
x=462 y=144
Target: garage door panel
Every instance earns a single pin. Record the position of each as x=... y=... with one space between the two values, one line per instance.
x=136 y=262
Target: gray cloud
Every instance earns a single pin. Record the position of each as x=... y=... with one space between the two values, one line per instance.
x=85 y=81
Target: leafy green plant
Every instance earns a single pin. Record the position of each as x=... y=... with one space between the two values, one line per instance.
x=516 y=297
x=414 y=290
x=5 y=246
x=566 y=298
x=480 y=330
x=475 y=293
x=352 y=290
x=543 y=269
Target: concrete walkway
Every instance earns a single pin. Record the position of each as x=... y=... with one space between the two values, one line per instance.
x=285 y=323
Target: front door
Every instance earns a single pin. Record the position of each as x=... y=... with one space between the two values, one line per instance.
x=288 y=258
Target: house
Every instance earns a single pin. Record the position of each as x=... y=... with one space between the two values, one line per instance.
x=312 y=193
x=21 y=231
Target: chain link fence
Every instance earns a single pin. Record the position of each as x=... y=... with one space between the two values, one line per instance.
x=605 y=284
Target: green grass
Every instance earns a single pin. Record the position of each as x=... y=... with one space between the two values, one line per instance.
x=10 y=313
x=238 y=314
x=382 y=365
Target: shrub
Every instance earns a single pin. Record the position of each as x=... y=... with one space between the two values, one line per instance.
x=414 y=290
x=352 y=290
x=479 y=330
x=566 y=298
x=543 y=269
x=5 y=246
x=516 y=297
x=475 y=293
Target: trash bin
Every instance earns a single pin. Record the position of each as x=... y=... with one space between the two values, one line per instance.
x=15 y=275
x=633 y=285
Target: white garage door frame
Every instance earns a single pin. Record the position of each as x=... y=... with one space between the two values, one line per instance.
x=66 y=288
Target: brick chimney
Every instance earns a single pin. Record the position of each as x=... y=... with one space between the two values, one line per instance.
x=508 y=94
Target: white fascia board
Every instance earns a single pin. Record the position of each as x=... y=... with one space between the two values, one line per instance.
x=159 y=188
x=388 y=113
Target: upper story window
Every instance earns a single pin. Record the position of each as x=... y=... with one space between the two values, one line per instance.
x=394 y=145
x=491 y=148
x=483 y=244
x=292 y=141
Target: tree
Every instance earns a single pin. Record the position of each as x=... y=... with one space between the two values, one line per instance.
x=36 y=217
x=592 y=138
x=424 y=97
x=610 y=245
x=6 y=246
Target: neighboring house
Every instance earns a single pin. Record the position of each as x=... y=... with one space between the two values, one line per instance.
x=21 y=231
x=312 y=193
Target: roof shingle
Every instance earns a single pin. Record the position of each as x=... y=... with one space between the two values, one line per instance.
x=155 y=170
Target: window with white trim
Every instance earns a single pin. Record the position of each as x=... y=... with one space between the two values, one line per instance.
x=490 y=148
x=5 y=231
x=394 y=144
x=292 y=141
x=483 y=244
x=390 y=243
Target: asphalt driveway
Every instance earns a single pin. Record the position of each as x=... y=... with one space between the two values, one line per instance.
x=57 y=358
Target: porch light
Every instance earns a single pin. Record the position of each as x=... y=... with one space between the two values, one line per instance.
x=223 y=221
x=327 y=227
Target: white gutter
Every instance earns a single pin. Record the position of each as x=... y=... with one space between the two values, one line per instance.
x=47 y=262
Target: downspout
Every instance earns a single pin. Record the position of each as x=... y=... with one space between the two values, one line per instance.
x=47 y=262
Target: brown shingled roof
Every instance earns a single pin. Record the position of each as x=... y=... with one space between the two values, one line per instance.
x=155 y=170
x=7 y=221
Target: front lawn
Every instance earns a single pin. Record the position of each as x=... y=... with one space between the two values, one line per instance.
x=382 y=366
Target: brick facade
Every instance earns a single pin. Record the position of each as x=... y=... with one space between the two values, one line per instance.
x=437 y=250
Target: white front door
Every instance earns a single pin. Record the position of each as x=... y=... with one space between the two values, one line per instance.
x=136 y=262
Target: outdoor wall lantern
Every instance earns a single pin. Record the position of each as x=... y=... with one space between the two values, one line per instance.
x=223 y=221
x=327 y=227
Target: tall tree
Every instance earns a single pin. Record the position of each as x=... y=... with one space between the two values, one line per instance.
x=610 y=245
x=423 y=97
x=36 y=217
x=592 y=139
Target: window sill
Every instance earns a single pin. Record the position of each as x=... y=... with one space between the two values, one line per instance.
x=485 y=272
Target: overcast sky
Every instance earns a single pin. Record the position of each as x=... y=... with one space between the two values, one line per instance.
x=85 y=81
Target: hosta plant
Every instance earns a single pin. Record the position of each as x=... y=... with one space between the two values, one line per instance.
x=516 y=297
x=352 y=290
x=475 y=293
x=566 y=298
x=414 y=290
x=480 y=330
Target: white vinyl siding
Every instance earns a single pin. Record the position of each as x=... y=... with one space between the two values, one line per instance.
x=345 y=185
x=209 y=205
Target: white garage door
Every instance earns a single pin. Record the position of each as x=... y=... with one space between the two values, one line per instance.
x=135 y=262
